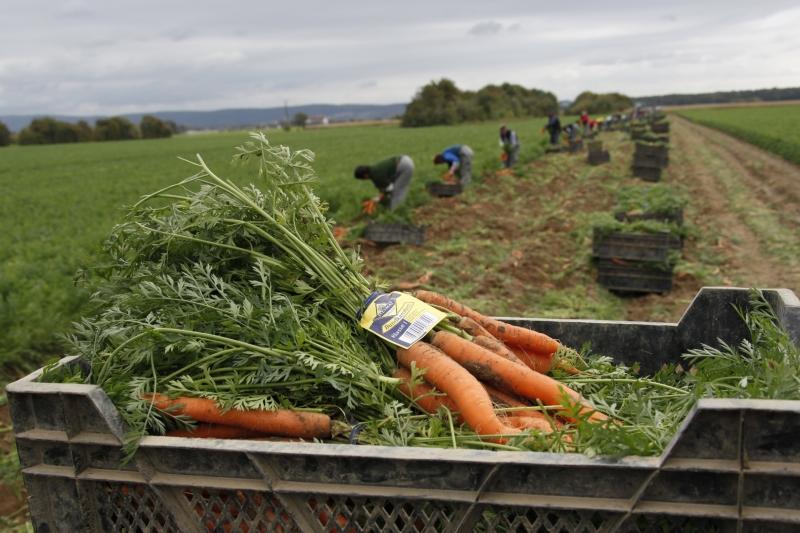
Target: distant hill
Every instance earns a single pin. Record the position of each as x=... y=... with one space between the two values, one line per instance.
x=722 y=97
x=237 y=118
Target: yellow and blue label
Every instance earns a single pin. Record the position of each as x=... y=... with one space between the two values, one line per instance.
x=398 y=317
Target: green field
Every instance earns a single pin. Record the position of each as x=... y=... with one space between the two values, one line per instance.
x=773 y=128
x=58 y=202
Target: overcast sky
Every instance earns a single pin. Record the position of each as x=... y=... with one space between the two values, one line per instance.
x=109 y=56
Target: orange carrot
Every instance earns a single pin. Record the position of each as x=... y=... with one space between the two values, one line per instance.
x=423 y=394
x=280 y=423
x=533 y=360
x=454 y=380
x=215 y=431
x=529 y=422
x=502 y=373
x=473 y=328
x=496 y=346
x=532 y=340
x=509 y=400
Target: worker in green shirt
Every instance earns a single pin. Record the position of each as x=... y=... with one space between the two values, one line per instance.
x=392 y=177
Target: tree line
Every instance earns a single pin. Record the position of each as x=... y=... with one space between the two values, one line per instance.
x=600 y=104
x=441 y=102
x=47 y=130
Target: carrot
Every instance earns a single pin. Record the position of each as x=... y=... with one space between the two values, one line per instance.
x=215 y=431
x=423 y=394
x=445 y=374
x=532 y=340
x=533 y=360
x=519 y=379
x=280 y=423
x=496 y=346
x=473 y=328
x=503 y=398
x=529 y=422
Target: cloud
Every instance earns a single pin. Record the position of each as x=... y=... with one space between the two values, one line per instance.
x=488 y=27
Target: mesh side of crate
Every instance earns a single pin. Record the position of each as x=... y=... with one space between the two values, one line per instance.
x=238 y=510
x=131 y=507
x=535 y=520
x=682 y=524
x=348 y=514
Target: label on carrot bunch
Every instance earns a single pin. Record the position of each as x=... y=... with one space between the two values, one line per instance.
x=399 y=318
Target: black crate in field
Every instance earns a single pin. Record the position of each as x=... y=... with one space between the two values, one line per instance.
x=394 y=233
x=734 y=465
x=660 y=127
x=598 y=158
x=575 y=145
x=443 y=190
x=647 y=173
x=675 y=216
x=651 y=247
x=633 y=277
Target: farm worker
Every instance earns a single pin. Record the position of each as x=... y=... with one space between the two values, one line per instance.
x=553 y=127
x=458 y=159
x=572 y=130
x=510 y=143
x=585 y=122
x=391 y=177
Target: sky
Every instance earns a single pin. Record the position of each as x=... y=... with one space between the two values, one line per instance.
x=87 y=57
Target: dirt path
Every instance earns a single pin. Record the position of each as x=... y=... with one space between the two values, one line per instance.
x=722 y=173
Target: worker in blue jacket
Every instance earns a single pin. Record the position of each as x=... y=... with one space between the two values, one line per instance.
x=459 y=160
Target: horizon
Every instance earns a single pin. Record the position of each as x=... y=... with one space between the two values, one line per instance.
x=87 y=60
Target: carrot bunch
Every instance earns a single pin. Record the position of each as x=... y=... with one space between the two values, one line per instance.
x=486 y=361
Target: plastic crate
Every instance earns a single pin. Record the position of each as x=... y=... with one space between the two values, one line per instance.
x=647 y=173
x=575 y=146
x=598 y=158
x=734 y=465
x=633 y=277
x=660 y=127
x=444 y=190
x=394 y=234
x=634 y=246
x=675 y=216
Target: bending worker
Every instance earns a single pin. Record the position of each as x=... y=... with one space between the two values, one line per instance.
x=510 y=143
x=392 y=177
x=459 y=159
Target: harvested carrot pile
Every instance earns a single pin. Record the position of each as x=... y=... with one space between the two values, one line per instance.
x=229 y=312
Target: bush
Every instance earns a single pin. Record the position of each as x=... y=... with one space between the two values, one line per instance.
x=47 y=130
x=441 y=102
x=5 y=135
x=600 y=104
x=115 y=129
x=155 y=128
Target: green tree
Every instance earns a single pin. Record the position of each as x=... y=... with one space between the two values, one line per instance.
x=47 y=130
x=85 y=133
x=5 y=135
x=115 y=129
x=154 y=128
x=299 y=120
x=600 y=103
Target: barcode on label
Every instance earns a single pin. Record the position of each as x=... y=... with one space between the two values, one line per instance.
x=418 y=328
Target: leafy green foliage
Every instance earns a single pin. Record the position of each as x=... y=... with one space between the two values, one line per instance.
x=48 y=130
x=441 y=102
x=772 y=128
x=115 y=129
x=5 y=135
x=154 y=128
x=604 y=103
x=657 y=198
x=606 y=223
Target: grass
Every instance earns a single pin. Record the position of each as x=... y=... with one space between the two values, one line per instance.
x=773 y=128
x=60 y=201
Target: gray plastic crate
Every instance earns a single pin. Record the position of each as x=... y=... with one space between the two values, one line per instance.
x=647 y=173
x=380 y=233
x=650 y=247
x=633 y=277
x=733 y=466
x=444 y=190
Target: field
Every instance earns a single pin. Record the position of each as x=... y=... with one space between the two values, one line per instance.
x=58 y=202
x=773 y=128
